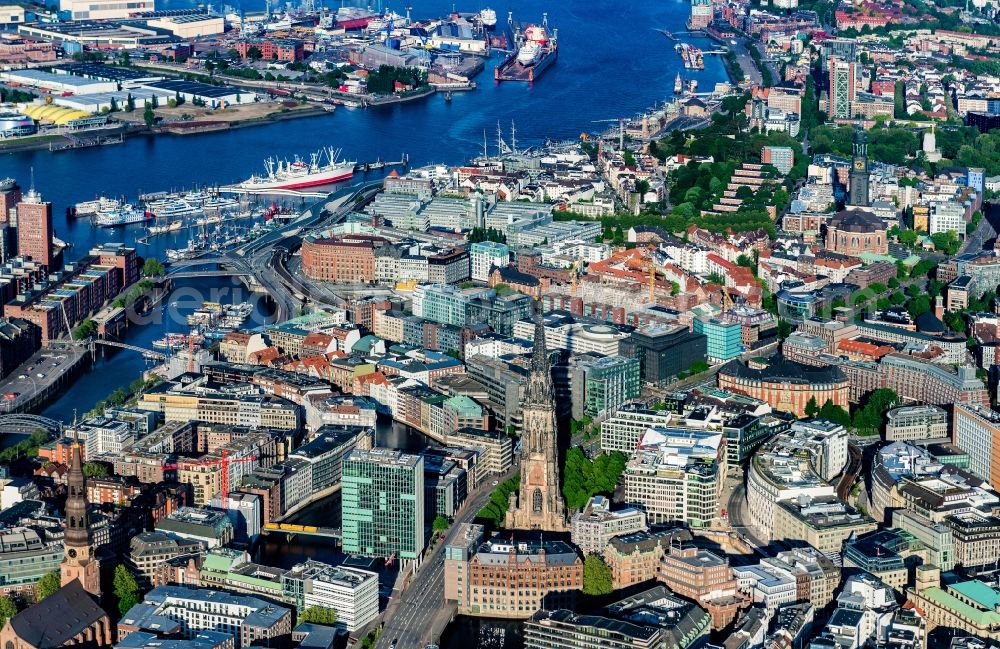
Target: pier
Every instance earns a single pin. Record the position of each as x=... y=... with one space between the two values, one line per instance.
x=81 y=143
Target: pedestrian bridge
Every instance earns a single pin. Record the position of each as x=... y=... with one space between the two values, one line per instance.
x=195 y=267
x=24 y=424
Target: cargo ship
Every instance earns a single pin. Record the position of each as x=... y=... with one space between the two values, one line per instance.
x=323 y=168
x=536 y=49
x=353 y=18
x=691 y=55
x=488 y=17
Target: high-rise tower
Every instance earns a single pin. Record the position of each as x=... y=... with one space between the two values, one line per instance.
x=34 y=229
x=79 y=562
x=539 y=505
x=841 y=94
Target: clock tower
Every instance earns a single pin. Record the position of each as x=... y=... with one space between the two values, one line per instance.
x=858 y=191
x=79 y=562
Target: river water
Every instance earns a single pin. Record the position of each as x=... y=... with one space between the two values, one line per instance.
x=612 y=63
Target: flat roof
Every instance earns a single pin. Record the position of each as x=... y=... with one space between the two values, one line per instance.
x=106 y=72
x=193 y=88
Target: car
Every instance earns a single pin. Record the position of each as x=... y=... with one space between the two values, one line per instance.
x=22 y=376
x=40 y=375
x=392 y=645
x=496 y=482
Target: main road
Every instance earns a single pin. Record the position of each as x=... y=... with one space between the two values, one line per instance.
x=419 y=613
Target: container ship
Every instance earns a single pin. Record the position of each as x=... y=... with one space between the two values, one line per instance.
x=323 y=168
x=691 y=55
x=536 y=50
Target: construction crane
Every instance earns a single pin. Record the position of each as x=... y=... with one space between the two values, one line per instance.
x=647 y=265
x=222 y=462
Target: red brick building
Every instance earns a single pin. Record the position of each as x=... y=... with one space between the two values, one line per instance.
x=786 y=385
x=707 y=579
x=273 y=49
x=34 y=229
x=853 y=232
x=78 y=293
x=348 y=258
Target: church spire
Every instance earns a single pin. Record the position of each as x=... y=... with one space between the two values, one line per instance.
x=539 y=389
x=538 y=504
x=77 y=520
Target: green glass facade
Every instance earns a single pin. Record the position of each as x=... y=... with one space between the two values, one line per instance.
x=724 y=338
x=383 y=504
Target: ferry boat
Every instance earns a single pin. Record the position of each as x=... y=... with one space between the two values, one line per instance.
x=125 y=214
x=691 y=55
x=102 y=204
x=219 y=204
x=236 y=314
x=221 y=316
x=172 y=208
x=323 y=168
x=678 y=84
x=171 y=341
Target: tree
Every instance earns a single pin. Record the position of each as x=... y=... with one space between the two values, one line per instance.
x=908 y=238
x=642 y=188
x=835 y=413
x=130 y=103
x=47 y=585
x=946 y=242
x=812 y=408
x=153 y=268
x=495 y=509
x=254 y=53
x=86 y=329
x=319 y=615
x=597 y=578
x=8 y=609
x=440 y=523
x=868 y=419
x=784 y=329
x=95 y=469
x=126 y=589
x=583 y=478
